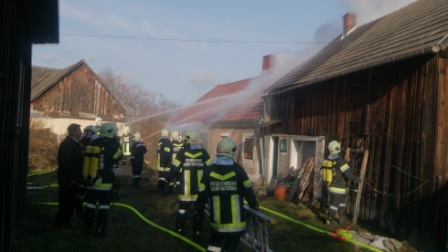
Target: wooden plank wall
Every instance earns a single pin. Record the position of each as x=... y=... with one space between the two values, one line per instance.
x=400 y=112
x=79 y=93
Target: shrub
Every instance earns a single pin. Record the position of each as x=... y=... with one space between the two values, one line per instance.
x=43 y=147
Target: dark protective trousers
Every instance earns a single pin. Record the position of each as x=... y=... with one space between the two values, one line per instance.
x=337 y=204
x=226 y=241
x=97 y=207
x=137 y=167
x=67 y=201
x=182 y=216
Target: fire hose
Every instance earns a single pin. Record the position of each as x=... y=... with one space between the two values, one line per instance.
x=198 y=247
x=174 y=234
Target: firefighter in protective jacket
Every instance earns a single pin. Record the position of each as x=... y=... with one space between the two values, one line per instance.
x=163 y=161
x=126 y=143
x=192 y=160
x=226 y=184
x=337 y=187
x=176 y=146
x=101 y=155
x=138 y=150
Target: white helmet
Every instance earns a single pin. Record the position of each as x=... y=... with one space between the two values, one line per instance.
x=190 y=136
x=137 y=136
x=334 y=147
x=126 y=130
x=175 y=135
x=226 y=148
x=98 y=121
x=165 y=133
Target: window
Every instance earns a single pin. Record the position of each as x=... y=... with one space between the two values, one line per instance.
x=283 y=146
x=249 y=147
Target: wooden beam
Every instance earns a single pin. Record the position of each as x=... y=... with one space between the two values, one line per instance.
x=360 y=186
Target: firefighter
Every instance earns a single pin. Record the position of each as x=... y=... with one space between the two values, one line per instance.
x=69 y=172
x=138 y=150
x=126 y=142
x=341 y=173
x=89 y=132
x=98 y=122
x=225 y=185
x=102 y=154
x=163 y=161
x=191 y=161
x=176 y=146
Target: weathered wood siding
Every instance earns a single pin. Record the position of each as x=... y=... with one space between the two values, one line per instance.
x=79 y=92
x=400 y=110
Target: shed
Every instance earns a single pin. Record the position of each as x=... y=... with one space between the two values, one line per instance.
x=72 y=94
x=384 y=85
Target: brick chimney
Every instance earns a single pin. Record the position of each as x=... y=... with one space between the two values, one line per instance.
x=267 y=62
x=348 y=22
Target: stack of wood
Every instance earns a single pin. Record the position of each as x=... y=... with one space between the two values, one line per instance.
x=303 y=184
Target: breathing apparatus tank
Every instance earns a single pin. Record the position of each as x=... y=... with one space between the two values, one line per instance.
x=327 y=171
x=91 y=161
x=87 y=158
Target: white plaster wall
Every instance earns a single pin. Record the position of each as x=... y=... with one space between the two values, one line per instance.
x=59 y=125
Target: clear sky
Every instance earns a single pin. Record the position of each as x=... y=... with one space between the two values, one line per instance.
x=183 y=48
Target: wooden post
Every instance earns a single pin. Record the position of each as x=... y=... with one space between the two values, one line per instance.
x=360 y=186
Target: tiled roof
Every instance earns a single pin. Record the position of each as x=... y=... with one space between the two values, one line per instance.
x=235 y=101
x=411 y=31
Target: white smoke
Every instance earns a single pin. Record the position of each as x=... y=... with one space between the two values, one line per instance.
x=369 y=10
x=284 y=62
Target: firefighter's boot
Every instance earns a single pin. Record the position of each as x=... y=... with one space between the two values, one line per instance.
x=180 y=222
x=342 y=218
x=197 y=223
x=101 y=231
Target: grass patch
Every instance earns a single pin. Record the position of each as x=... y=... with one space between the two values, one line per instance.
x=128 y=232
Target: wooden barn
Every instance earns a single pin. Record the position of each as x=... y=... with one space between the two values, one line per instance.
x=232 y=109
x=23 y=23
x=72 y=94
x=381 y=87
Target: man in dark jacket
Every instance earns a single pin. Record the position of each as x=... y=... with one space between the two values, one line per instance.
x=70 y=162
x=225 y=185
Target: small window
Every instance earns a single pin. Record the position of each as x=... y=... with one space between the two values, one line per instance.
x=283 y=146
x=249 y=148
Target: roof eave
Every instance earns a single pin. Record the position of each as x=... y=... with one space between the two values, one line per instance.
x=304 y=83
